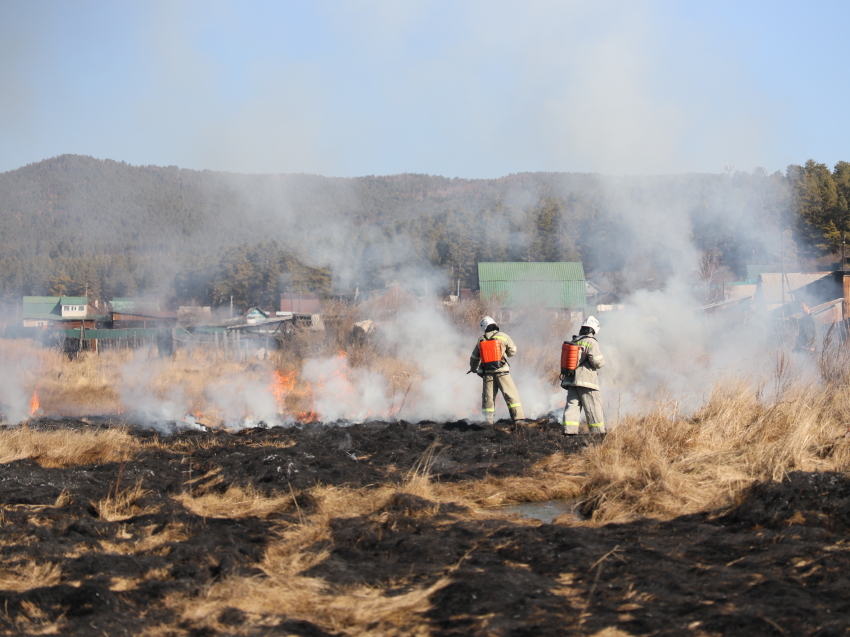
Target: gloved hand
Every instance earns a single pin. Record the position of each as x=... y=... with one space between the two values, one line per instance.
x=480 y=372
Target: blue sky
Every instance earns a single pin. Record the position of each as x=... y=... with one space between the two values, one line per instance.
x=462 y=89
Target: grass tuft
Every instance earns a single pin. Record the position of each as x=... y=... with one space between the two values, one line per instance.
x=236 y=502
x=62 y=448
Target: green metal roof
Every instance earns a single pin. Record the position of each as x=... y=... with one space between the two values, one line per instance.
x=130 y=305
x=520 y=284
x=49 y=307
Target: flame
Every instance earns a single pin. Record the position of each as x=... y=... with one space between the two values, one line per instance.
x=35 y=405
x=282 y=385
x=293 y=398
x=297 y=398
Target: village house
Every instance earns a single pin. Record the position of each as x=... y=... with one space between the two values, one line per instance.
x=48 y=311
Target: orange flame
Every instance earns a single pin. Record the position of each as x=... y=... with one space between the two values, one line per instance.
x=35 y=405
x=282 y=384
x=292 y=399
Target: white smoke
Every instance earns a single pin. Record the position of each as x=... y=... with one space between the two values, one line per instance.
x=345 y=394
x=15 y=386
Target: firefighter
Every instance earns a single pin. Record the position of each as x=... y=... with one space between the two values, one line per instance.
x=489 y=360
x=582 y=383
x=806 y=330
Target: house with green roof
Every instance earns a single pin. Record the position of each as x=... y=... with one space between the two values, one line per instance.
x=559 y=285
x=43 y=311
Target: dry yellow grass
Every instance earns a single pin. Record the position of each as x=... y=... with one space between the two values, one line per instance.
x=286 y=592
x=150 y=540
x=554 y=477
x=83 y=386
x=28 y=575
x=236 y=502
x=123 y=504
x=357 y=611
x=661 y=464
x=34 y=621
x=119 y=584
x=66 y=447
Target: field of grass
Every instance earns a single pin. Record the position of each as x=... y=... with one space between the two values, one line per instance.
x=658 y=464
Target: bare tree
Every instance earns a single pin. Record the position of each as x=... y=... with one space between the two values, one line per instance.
x=709 y=272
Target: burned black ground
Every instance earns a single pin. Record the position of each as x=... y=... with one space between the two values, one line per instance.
x=777 y=563
x=309 y=455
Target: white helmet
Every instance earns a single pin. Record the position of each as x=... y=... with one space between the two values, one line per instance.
x=486 y=322
x=592 y=323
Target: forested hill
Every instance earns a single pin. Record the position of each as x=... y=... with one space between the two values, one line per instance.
x=97 y=204
x=73 y=224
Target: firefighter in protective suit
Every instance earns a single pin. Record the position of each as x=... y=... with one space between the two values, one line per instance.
x=582 y=384
x=807 y=330
x=489 y=360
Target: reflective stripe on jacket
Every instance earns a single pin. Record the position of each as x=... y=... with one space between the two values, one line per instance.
x=592 y=360
x=507 y=345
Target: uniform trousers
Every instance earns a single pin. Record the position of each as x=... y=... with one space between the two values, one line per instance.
x=494 y=383
x=579 y=398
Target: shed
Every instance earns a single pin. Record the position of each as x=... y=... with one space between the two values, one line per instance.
x=519 y=284
x=812 y=287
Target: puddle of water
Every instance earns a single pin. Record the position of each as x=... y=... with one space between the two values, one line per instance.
x=543 y=511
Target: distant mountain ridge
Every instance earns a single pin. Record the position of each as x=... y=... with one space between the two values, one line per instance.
x=101 y=204
x=74 y=224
